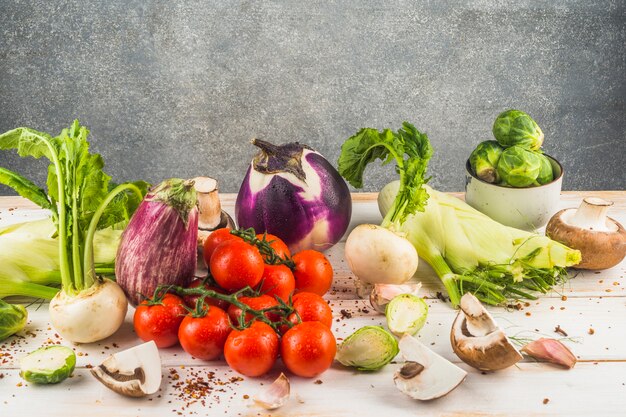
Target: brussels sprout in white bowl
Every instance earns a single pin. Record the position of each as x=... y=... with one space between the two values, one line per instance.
x=524 y=208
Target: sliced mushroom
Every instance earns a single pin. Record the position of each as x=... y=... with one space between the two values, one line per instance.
x=276 y=395
x=382 y=294
x=425 y=375
x=600 y=239
x=477 y=339
x=133 y=372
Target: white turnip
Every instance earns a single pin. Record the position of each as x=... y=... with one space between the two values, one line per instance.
x=379 y=256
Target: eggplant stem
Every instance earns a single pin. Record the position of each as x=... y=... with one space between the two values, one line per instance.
x=266 y=147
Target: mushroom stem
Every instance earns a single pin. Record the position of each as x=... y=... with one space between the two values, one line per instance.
x=209 y=207
x=591 y=215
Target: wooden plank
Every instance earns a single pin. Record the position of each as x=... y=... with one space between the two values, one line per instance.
x=605 y=316
x=596 y=386
x=587 y=390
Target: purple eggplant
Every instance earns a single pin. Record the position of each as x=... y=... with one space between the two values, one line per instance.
x=291 y=191
x=159 y=244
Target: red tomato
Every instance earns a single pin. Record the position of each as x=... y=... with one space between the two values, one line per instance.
x=308 y=348
x=257 y=303
x=160 y=322
x=214 y=240
x=311 y=307
x=277 y=281
x=313 y=272
x=190 y=300
x=277 y=244
x=236 y=264
x=204 y=337
x=252 y=351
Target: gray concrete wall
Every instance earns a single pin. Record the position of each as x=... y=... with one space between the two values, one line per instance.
x=178 y=88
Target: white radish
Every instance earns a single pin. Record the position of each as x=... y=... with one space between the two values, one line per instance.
x=91 y=315
x=379 y=256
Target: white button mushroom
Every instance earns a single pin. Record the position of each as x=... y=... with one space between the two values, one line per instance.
x=425 y=375
x=134 y=372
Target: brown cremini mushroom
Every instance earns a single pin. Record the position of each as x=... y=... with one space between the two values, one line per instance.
x=600 y=239
x=478 y=341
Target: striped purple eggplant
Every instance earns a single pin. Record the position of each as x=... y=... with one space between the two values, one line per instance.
x=159 y=244
x=291 y=191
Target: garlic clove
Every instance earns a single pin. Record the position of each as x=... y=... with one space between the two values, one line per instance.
x=276 y=395
x=551 y=350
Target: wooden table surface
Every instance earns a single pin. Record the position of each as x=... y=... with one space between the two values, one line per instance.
x=591 y=308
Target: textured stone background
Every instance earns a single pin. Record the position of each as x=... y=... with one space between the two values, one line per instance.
x=178 y=88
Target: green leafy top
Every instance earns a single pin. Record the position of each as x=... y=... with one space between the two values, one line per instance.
x=411 y=151
x=80 y=195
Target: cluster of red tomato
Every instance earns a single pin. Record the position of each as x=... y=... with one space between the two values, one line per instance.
x=302 y=336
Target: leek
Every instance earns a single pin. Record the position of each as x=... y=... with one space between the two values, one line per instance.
x=469 y=251
x=29 y=255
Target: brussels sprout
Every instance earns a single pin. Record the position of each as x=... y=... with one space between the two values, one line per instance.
x=516 y=128
x=12 y=319
x=545 y=174
x=368 y=349
x=406 y=313
x=48 y=365
x=484 y=160
x=519 y=167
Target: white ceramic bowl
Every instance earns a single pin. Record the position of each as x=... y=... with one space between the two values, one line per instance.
x=523 y=208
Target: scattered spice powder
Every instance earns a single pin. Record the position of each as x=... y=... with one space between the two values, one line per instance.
x=200 y=387
x=591 y=331
x=318 y=382
x=345 y=314
x=546 y=400
x=564 y=298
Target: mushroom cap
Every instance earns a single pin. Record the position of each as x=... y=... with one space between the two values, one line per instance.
x=426 y=375
x=478 y=341
x=599 y=249
x=133 y=372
